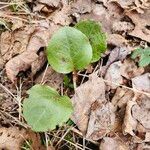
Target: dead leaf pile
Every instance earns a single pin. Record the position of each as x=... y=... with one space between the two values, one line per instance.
x=13 y=137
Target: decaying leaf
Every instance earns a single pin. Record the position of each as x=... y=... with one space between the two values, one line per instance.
x=121 y=97
x=101 y=121
x=141 y=112
x=13 y=138
x=113 y=74
x=116 y=40
x=122 y=26
x=92 y=114
x=129 y=122
x=141 y=22
x=115 y=143
x=118 y=53
x=130 y=70
x=142 y=83
x=30 y=56
x=138 y=5
x=90 y=93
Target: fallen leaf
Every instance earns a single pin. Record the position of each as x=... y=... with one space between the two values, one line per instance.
x=141 y=112
x=142 y=83
x=13 y=138
x=116 y=40
x=90 y=93
x=122 y=26
x=82 y=6
x=24 y=61
x=141 y=22
x=121 y=97
x=62 y=17
x=130 y=70
x=129 y=123
x=138 y=5
x=113 y=74
x=50 y=3
x=101 y=121
x=118 y=53
x=109 y=143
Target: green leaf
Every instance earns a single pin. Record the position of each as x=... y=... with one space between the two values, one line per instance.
x=45 y=108
x=96 y=37
x=69 y=50
x=143 y=54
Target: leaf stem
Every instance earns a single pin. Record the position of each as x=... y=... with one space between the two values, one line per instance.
x=74 y=73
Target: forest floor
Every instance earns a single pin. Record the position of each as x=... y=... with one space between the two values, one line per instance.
x=112 y=99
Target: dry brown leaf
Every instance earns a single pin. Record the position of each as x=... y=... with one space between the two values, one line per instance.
x=90 y=93
x=129 y=123
x=141 y=22
x=113 y=74
x=122 y=26
x=38 y=63
x=13 y=138
x=50 y=3
x=82 y=6
x=138 y=5
x=62 y=17
x=141 y=112
x=101 y=122
x=109 y=143
x=142 y=83
x=29 y=57
x=130 y=70
x=50 y=78
x=15 y=43
x=116 y=40
x=121 y=97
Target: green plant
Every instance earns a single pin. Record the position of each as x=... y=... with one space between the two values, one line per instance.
x=143 y=55
x=45 y=108
x=95 y=35
x=69 y=50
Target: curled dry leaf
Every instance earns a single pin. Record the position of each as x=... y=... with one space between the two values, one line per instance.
x=121 y=97
x=113 y=75
x=142 y=83
x=109 y=143
x=13 y=138
x=141 y=112
x=90 y=93
x=141 y=22
x=130 y=70
x=129 y=123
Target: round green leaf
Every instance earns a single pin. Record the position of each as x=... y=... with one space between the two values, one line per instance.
x=96 y=37
x=45 y=108
x=68 y=50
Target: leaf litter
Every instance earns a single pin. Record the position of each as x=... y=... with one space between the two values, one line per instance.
x=98 y=105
